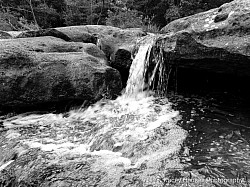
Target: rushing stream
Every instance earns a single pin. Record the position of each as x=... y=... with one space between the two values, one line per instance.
x=140 y=131
x=137 y=131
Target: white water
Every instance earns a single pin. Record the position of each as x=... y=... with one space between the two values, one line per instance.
x=136 y=81
x=112 y=129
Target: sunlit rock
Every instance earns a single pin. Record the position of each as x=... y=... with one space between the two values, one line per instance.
x=217 y=40
x=41 y=70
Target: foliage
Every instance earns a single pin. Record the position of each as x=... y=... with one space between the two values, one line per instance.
x=86 y=12
x=124 y=18
x=41 y=12
x=150 y=26
x=13 y=21
x=154 y=9
x=172 y=13
x=121 y=13
x=74 y=15
x=8 y=20
x=46 y=16
x=189 y=7
x=27 y=25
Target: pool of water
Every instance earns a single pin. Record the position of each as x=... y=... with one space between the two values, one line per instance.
x=218 y=143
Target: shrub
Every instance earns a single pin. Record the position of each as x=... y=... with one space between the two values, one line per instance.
x=150 y=26
x=10 y=20
x=172 y=13
x=27 y=25
x=124 y=18
x=75 y=16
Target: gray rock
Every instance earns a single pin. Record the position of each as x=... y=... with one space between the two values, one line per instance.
x=221 y=35
x=117 y=44
x=47 y=69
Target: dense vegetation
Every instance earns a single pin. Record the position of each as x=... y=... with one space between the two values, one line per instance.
x=152 y=14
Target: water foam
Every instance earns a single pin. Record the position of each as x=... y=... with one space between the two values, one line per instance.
x=136 y=81
x=132 y=129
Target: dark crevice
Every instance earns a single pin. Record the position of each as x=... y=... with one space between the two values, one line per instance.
x=206 y=83
x=231 y=66
x=124 y=76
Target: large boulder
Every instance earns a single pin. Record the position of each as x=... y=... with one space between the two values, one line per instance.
x=118 y=44
x=41 y=70
x=110 y=39
x=119 y=48
x=50 y=44
x=42 y=44
x=217 y=40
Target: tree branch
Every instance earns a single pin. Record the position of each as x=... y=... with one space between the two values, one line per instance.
x=19 y=9
x=33 y=14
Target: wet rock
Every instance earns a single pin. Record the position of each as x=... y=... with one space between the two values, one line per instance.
x=119 y=45
x=41 y=70
x=217 y=40
x=48 y=171
x=119 y=48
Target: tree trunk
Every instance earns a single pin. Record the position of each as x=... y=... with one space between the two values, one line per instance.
x=33 y=14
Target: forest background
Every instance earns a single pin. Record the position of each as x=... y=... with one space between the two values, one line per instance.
x=150 y=15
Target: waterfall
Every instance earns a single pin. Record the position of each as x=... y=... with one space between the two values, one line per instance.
x=150 y=52
x=136 y=80
x=134 y=129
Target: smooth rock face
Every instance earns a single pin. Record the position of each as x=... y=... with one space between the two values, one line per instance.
x=221 y=34
x=47 y=69
x=50 y=44
x=117 y=44
x=47 y=44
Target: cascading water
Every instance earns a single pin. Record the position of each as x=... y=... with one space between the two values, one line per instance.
x=136 y=81
x=135 y=130
x=135 y=140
